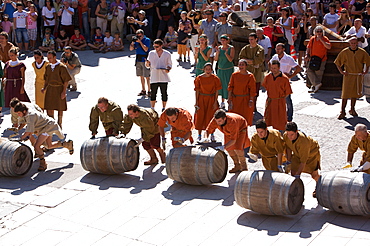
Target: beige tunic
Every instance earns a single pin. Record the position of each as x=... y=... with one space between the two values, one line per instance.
x=305 y=150
x=355 y=144
x=147 y=121
x=21 y=120
x=39 y=123
x=268 y=149
x=353 y=62
x=256 y=54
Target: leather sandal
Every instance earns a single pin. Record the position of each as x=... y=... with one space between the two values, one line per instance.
x=341 y=116
x=353 y=113
x=151 y=162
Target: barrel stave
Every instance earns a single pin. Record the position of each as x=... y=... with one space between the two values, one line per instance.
x=15 y=158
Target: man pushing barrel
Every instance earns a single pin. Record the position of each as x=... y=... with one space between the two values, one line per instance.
x=302 y=152
x=182 y=124
x=110 y=114
x=147 y=120
x=268 y=143
x=235 y=130
x=361 y=140
x=45 y=127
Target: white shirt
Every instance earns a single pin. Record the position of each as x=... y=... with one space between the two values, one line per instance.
x=254 y=13
x=313 y=6
x=286 y=62
x=21 y=18
x=67 y=17
x=361 y=33
x=295 y=8
x=265 y=43
x=109 y=40
x=49 y=14
x=158 y=64
x=331 y=19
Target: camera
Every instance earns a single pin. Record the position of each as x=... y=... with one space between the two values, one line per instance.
x=64 y=60
x=135 y=38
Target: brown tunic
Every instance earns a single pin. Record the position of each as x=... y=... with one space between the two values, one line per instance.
x=355 y=144
x=54 y=82
x=5 y=52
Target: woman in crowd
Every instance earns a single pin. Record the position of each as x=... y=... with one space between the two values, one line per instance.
x=206 y=93
x=224 y=55
x=39 y=65
x=32 y=26
x=242 y=91
x=285 y=22
x=202 y=54
x=345 y=22
x=102 y=14
x=194 y=17
x=187 y=23
x=302 y=30
x=49 y=15
x=14 y=78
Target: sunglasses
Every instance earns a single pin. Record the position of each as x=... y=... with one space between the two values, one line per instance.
x=318 y=31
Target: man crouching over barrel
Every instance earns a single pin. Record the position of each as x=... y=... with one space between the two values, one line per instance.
x=45 y=127
x=361 y=140
x=235 y=130
x=182 y=124
x=302 y=152
x=110 y=115
x=268 y=143
x=147 y=120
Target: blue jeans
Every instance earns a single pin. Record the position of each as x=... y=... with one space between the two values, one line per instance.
x=289 y=107
x=21 y=33
x=86 y=28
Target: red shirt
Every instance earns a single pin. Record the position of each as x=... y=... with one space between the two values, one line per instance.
x=268 y=32
x=77 y=40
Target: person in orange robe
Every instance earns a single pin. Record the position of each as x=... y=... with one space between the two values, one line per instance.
x=242 y=91
x=182 y=124
x=278 y=88
x=206 y=92
x=235 y=130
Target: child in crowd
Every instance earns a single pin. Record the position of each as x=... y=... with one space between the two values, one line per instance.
x=78 y=41
x=108 y=41
x=182 y=40
x=117 y=44
x=6 y=25
x=98 y=41
x=48 y=43
x=170 y=39
x=62 y=40
x=32 y=26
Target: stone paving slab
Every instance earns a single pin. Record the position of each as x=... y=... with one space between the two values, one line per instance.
x=67 y=205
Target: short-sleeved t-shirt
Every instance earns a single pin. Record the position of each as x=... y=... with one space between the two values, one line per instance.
x=77 y=40
x=331 y=19
x=99 y=39
x=109 y=40
x=317 y=48
x=31 y=23
x=48 y=43
x=21 y=18
x=165 y=7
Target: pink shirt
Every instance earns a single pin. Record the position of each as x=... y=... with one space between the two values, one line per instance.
x=31 y=24
x=6 y=25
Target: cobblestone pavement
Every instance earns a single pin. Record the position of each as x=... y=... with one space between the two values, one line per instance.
x=66 y=205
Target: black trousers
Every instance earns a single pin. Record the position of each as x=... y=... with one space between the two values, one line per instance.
x=154 y=89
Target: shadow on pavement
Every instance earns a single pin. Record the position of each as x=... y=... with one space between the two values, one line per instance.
x=304 y=223
x=72 y=95
x=179 y=192
x=353 y=121
x=149 y=180
x=91 y=59
x=32 y=179
x=328 y=97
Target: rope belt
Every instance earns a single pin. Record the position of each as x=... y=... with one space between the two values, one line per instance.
x=359 y=82
x=54 y=85
x=225 y=68
x=204 y=94
x=245 y=95
x=14 y=81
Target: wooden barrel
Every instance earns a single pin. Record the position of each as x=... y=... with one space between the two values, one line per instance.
x=109 y=155
x=269 y=192
x=241 y=34
x=366 y=90
x=241 y=17
x=194 y=166
x=238 y=47
x=15 y=158
x=344 y=192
